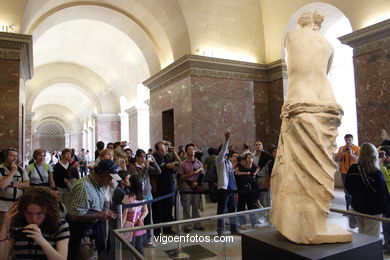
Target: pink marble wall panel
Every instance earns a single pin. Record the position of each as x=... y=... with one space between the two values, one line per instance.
x=372 y=80
x=268 y=100
x=9 y=103
x=107 y=130
x=178 y=97
x=218 y=104
x=275 y=97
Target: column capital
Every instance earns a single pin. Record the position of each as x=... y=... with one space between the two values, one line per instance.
x=106 y=117
x=14 y=46
x=134 y=109
x=74 y=132
x=29 y=115
x=123 y=115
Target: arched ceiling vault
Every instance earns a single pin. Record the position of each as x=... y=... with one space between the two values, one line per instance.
x=139 y=40
x=56 y=113
x=116 y=59
x=161 y=21
x=86 y=82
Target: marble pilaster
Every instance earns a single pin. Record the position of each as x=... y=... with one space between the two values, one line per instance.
x=371 y=47
x=15 y=64
x=138 y=118
x=75 y=140
x=107 y=127
x=28 y=135
x=91 y=141
x=84 y=138
x=124 y=117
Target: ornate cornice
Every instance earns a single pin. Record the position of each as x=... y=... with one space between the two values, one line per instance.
x=15 y=46
x=202 y=66
x=135 y=109
x=369 y=39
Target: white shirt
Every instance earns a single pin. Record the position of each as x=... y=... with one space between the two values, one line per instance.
x=9 y=191
x=34 y=176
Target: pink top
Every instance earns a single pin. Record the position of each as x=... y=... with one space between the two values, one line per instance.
x=133 y=215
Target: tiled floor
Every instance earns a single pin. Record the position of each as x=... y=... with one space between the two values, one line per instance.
x=232 y=250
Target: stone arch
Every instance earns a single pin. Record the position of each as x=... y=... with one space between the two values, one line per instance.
x=80 y=77
x=57 y=113
x=148 y=21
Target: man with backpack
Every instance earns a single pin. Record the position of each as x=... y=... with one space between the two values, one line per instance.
x=13 y=181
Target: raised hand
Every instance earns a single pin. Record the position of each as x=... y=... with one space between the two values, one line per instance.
x=227 y=134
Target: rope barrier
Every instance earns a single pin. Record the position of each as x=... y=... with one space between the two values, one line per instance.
x=163 y=197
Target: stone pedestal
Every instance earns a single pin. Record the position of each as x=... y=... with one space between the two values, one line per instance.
x=270 y=244
x=208 y=95
x=15 y=68
x=371 y=47
x=107 y=127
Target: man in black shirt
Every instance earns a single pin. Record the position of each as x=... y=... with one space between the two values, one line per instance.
x=162 y=210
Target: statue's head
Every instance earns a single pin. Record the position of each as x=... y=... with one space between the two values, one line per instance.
x=313 y=19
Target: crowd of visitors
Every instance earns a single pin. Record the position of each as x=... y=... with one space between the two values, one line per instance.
x=65 y=205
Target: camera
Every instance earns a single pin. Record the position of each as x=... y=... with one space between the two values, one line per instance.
x=348 y=148
x=17 y=233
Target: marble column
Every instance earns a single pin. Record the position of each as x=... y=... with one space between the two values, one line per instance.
x=91 y=142
x=28 y=135
x=371 y=52
x=139 y=127
x=124 y=117
x=107 y=127
x=67 y=140
x=15 y=69
x=84 y=139
x=75 y=140
x=209 y=95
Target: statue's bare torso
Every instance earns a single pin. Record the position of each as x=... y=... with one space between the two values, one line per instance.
x=307 y=76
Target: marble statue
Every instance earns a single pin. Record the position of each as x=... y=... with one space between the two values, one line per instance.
x=302 y=180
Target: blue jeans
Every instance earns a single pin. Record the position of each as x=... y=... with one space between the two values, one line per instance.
x=226 y=203
x=348 y=197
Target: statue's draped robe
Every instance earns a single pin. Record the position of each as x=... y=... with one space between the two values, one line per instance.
x=302 y=180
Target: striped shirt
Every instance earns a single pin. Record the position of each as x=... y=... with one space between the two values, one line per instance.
x=25 y=248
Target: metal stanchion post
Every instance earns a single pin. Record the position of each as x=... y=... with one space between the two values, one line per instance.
x=118 y=244
x=179 y=253
x=151 y=222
